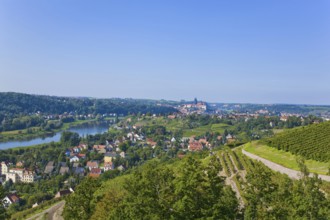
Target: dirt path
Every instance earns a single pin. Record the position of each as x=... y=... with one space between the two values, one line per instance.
x=230 y=182
x=52 y=213
x=232 y=162
x=276 y=167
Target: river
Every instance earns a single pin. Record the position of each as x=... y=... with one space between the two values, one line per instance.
x=82 y=130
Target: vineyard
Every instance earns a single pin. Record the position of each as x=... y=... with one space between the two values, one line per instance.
x=257 y=187
x=235 y=166
x=311 y=142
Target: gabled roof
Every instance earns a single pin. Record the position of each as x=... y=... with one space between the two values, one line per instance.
x=195 y=146
x=81 y=155
x=99 y=147
x=108 y=164
x=50 y=163
x=64 y=170
x=64 y=192
x=96 y=170
x=79 y=170
x=62 y=164
x=49 y=168
x=75 y=164
x=92 y=164
x=13 y=198
x=110 y=154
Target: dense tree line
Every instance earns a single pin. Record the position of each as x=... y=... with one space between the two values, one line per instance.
x=311 y=142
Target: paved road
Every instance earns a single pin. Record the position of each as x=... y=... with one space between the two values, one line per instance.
x=53 y=213
x=274 y=166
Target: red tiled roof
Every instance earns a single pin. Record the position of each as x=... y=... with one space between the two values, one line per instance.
x=13 y=198
x=96 y=171
x=94 y=175
x=195 y=146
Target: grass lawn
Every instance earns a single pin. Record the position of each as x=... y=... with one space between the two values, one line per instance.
x=283 y=158
x=16 y=132
x=76 y=122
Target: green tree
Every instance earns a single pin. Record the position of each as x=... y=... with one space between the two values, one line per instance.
x=80 y=204
x=3 y=213
x=150 y=193
x=309 y=202
x=201 y=193
x=70 y=138
x=110 y=206
x=259 y=193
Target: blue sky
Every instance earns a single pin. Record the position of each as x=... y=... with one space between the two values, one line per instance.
x=219 y=51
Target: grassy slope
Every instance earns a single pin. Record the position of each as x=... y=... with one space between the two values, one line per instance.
x=203 y=129
x=283 y=158
x=179 y=124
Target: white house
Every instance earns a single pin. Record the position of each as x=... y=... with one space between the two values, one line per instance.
x=108 y=166
x=74 y=159
x=4 y=168
x=10 y=199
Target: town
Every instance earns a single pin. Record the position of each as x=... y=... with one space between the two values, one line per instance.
x=130 y=141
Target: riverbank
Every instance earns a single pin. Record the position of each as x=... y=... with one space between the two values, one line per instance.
x=83 y=129
x=38 y=132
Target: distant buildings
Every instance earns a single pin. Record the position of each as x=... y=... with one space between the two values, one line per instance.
x=17 y=174
x=20 y=175
x=197 y=107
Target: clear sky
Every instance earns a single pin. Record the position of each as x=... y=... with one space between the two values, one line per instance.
x=223 y=50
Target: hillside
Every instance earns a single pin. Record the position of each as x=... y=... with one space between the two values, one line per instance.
x=311 y=142
x=12 y=104
x=191 y=189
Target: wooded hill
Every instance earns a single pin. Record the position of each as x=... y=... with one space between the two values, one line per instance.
x=311 y=142
x=12 y=104
x=192 y=189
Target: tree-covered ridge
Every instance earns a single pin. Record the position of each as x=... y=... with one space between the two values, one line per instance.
x=13 y=104
x=185 y=190
x=194 y=188
x=311 y=142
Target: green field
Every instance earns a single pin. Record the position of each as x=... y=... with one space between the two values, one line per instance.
x=171 y=125
x=203 y=129
x=181 y=124
x=283 y=158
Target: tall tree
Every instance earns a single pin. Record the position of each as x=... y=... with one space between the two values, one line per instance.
x=3 y=214
x=80 y=204
x=150 y=193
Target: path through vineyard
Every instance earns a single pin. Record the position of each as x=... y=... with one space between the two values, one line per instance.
x=230 y=171
x=276 y=167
